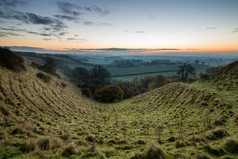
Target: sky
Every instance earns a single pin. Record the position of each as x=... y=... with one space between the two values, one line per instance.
x=133 y=26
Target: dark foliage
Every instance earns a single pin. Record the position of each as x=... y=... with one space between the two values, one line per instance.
x=184 y=71
x=87 y=92
x=80 y=76
x=44 y=77
x=11 y=61
x=49 y=66
x=100 y=75
x=109 y=93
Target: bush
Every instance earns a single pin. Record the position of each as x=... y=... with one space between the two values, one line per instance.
x=44 y=77
x=109 y=93
x=87 y=92
x=204 y=76
x=231 y=146
x=11 y=61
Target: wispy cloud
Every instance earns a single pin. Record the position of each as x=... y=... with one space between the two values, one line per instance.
x=12 y=29
x=47 y=39
x=31 y=18
x=67 y=17
x=211 y=28
x=89 y=23
x=76 y=39
x=5 y=34
x=11 y=3
x=69 y=8
x=140 y=32
x=235 y=30
x=76 y=10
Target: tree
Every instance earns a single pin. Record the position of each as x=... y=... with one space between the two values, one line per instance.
x=160 y=80
x=100 y=75
x=49 y=65
x=185 y=70
x=81 y=74
x=109 y=93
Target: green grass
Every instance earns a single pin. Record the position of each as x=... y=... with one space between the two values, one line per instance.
x=46 y=120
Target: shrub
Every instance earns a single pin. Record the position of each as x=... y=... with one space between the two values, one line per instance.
x=204 y=76
x=231 y=146
x=44 y=77
x=87 y=92
x=109 y=93
x=11 y=61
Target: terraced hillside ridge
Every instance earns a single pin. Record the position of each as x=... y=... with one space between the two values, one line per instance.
x=52 y=120
x=226 y=77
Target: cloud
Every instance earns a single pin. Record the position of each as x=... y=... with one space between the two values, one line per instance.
x=76 y=39
x=6 y=34
x=50 y=26
x=76 y=10
x=140 y=32
x=11 y=3
x=66 y=17
x=44 y=34
x=69 y=8
x=89 y=23
x=211 y=28
x=47 y=39
x=235 y=30
x=31 y=18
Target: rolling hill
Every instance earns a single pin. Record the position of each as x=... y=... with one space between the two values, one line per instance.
x=52 y=119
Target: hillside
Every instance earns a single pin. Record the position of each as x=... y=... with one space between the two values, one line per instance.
x=52 y=120
x=226 y=77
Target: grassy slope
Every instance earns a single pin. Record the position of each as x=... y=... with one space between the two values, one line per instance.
x=188 y=113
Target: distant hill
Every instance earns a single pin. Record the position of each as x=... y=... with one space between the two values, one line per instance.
x=51 y=119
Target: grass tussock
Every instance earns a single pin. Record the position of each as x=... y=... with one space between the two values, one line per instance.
x=231 y=146
x=153 y=151
x=216 y=134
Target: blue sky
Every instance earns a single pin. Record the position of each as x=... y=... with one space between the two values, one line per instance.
x=149 y=26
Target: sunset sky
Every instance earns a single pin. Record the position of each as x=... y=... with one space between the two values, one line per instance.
x=143 y=26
